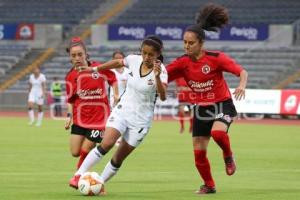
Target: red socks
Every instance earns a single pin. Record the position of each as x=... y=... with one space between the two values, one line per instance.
x=203 y=166
x=222 y=139
x=83 y=154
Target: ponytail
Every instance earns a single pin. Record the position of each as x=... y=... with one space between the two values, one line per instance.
x=211 y=18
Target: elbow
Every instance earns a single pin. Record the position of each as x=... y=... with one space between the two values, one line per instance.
x=244 y=73
x=163 y=97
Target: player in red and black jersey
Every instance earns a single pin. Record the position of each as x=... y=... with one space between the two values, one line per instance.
x=203 y=72
x=88 y=106
x=185 y=97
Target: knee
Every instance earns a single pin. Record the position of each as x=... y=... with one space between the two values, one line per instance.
x=75 y=152
x=216 y=134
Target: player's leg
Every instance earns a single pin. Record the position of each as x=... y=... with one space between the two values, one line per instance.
x=40 y=115
x=93 y=136
x=95 y=155
x=130 y=140
x=220 y=135
x=181 y=117
x=201 y=138
x=112 y=167
x=40 y=103
x=86 y=147
x=30 y=112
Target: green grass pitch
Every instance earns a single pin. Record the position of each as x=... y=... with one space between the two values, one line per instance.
x=35 y=163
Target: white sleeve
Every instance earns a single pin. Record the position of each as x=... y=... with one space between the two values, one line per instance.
x=128 y=60
x=30 y=79
x=163 y=75
x=43 y=78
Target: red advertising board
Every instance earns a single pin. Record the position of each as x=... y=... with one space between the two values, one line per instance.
x=25 y=32
x=290 y=102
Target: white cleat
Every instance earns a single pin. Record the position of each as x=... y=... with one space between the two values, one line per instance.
x=30 y=123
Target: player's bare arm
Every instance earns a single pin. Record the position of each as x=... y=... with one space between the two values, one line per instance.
x=239 y=92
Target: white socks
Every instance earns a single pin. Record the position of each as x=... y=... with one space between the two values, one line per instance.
x=91 y=159
x=31 y=116
x=108 y=172
x=40 y=118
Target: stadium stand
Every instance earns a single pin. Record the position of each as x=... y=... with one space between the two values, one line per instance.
x=10 y=55
x=66 y=12
x=182 y=12
x=263 y=64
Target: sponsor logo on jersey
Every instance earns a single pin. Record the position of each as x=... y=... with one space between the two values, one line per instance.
x=95 y=75
x=201 y=86
x=205 y=69
x=119 y=106
x=150 y=82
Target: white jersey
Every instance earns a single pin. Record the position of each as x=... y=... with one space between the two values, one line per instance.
x=122 y=81
x=36 y=83
x=138 y=101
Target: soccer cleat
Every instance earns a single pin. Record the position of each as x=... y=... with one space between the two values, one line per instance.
x=181 y=130
x=74 y=181
x=204 y=189
x=30 y=123
x=230 y=165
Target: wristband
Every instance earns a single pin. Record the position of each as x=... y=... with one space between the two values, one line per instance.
x=95 y=69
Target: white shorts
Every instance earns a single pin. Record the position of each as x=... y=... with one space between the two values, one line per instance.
x=132 y=135
x=36 y=98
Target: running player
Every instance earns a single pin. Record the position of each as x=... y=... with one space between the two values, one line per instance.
x=36 y=95
x=88 y=106
x=203 y=72
x=132 y=116
x=185 y=99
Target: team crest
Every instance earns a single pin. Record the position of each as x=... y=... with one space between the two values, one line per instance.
x=95 y=75
x=150 y=82
x=205 y=69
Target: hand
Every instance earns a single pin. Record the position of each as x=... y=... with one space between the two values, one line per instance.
x=157 y=68
x=68 y=123
x=116 y=101
x=239 y=93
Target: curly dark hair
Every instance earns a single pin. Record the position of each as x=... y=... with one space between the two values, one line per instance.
x=211 y=18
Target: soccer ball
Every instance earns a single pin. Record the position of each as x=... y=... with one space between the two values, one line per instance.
x=89 y=184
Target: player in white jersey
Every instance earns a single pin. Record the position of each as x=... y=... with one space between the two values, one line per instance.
x=131 y=118
x=36 y=95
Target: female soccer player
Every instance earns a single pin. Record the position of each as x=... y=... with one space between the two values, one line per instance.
x=88 y=106
x=132 y=116
x=36 y=95
x=185 y=99
x=203 y=72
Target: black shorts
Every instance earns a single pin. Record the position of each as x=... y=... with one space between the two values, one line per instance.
x=93 y=135
x=205 y=116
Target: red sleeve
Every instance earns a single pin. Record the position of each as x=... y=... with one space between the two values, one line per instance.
x=175 y=69
x=111 y=77
x=70 y=81
x=229 y=65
